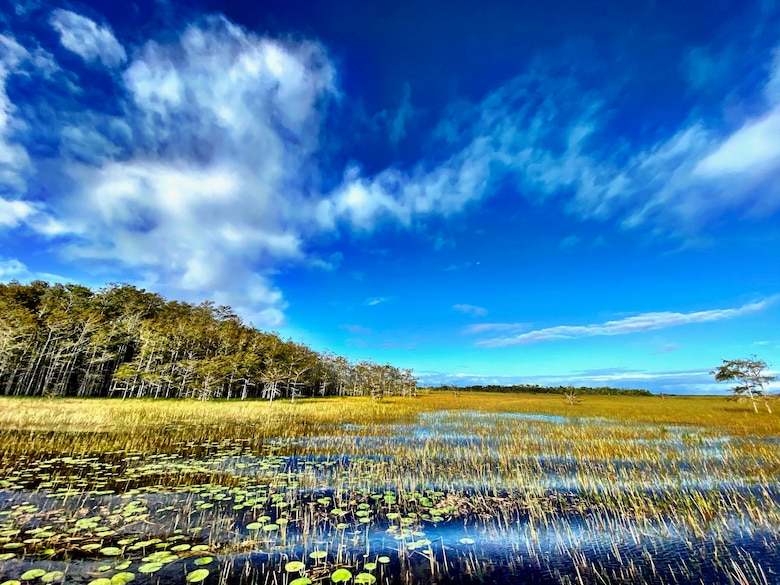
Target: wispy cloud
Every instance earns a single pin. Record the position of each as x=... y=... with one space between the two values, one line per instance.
x=14 y=161
x=13 y=269
x=87 y=39
x=472 y=310
x=643 y=322
x=487 y=327
x=373 y=301
x=675 y=183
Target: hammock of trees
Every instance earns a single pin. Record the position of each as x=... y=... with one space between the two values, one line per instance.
x=67 y=340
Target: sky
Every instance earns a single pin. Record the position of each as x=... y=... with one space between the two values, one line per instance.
x=567 y=192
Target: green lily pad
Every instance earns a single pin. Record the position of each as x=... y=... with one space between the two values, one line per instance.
x=122 y=578
x=294 y=566
x=365 y=579
x=111 y=551
x=301 y=581
x=204 y=561
x=384 y=560
x=6 y=556
x=341 y=575
x=101 y=581
x=150 y=567
x=53 y=576
x=16 y=582
x=32 y=574
x=197 y=575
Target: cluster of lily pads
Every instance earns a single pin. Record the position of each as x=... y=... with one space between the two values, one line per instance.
x=457 y=497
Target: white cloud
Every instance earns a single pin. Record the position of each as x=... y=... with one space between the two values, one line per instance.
x=643 y=322
x=14 y=212
x=486 y=327
x=10 y=269
x=87 y=39
x=374 y=301
x=214 y=194
x=14 y=161
x=13 y=269
x=754 y=148
x=541 y=134
x=472 y=310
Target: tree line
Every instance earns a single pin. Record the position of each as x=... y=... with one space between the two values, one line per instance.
x=68 y=340
x=563 y=390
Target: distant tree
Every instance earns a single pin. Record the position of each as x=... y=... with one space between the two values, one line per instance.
x=570 y=396
x=750 y=378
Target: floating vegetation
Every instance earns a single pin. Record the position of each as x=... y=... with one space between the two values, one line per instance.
x=444 y=496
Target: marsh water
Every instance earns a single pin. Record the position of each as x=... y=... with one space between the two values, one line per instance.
x=460 y=497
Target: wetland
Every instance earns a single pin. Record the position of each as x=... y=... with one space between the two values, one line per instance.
x=434 y=489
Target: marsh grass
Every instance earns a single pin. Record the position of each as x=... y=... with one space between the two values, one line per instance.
x=147 y=425
x=439 y=488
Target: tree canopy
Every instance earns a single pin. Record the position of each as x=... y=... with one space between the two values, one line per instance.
x=68 y=340
x=750 y=378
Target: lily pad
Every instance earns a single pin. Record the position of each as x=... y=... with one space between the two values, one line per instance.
x=111 y=551
x=122 y=578
x=32 y=574
x=150 y=567
x=197 y=575
x=341 y=575
x=294 y=566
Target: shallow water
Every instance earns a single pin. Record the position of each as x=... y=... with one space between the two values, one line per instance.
x=455 y=498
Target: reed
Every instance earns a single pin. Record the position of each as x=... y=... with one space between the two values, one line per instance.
x=437 y=488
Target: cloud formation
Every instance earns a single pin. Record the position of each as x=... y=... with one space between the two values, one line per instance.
x=374 y=301
x=87 y=39
x=201 y=185
x=677 y=182
x=644 y=322
x=203 y=180
x=472 y=310
x=14 y=160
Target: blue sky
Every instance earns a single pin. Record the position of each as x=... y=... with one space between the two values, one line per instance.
x=486 y=192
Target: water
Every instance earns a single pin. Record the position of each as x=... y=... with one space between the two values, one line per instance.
x=454 y=498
